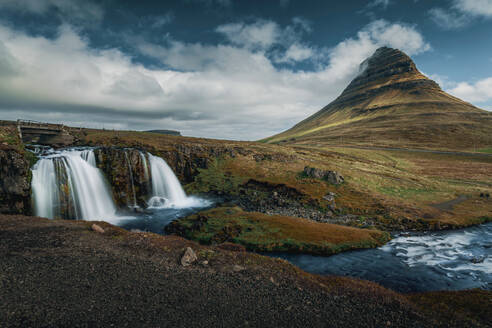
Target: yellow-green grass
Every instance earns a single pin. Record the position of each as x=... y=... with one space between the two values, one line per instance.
x=402 y=126
x=485 y=150
x=402 y=184
x=260 y=232
x=378 y=183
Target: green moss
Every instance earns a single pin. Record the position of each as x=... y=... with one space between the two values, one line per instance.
x=214 y=178
x=261 y=233
x=485 y=150
x=30 y=157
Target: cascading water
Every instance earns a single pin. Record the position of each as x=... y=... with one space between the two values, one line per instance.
x=143 y=157
x=68 y=184
x=45 y=189
x=88 y=155
x=166 y=189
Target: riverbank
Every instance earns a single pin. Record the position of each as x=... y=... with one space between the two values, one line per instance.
x=273 y=233
x=62 y=273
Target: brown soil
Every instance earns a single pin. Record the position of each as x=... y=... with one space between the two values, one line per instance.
x=57 y=273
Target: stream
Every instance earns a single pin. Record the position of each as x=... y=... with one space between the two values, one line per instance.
x=445 y=260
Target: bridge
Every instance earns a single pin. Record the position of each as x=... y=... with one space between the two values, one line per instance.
x=43 y=133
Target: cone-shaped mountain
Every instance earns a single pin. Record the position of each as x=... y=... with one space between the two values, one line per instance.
x=391 y=103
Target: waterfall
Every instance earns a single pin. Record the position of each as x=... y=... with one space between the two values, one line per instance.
x=166 y=188
x=45 y=189
x=145 y=168
x=68 y=184
x=88 y=155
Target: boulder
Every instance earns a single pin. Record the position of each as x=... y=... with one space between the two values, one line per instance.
x=332 y=177
x=189 y=257
x=330 y=197
x=97 y=228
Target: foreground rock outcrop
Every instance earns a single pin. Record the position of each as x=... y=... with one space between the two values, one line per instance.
x=15 y=181
x=60 y=273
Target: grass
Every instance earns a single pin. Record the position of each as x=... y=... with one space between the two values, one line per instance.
x=485 y=150
x=260 y=232
x=399 y=185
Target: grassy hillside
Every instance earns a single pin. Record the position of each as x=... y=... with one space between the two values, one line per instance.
x=392 y=104
x=386 y=188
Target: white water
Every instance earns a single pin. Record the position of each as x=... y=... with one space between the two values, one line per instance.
x=146 y=168
x=453 y=251
x=166 y=189
x=88 y=190
x=45 y=189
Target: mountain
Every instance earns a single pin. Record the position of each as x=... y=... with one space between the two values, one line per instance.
x=391 y=103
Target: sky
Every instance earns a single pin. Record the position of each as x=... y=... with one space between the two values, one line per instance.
x=227 y=69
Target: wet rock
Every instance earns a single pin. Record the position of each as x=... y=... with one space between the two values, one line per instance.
x=477 y=260
x=189 y=257
x=97 y=228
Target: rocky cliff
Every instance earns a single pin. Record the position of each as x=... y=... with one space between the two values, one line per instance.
x=15 y=181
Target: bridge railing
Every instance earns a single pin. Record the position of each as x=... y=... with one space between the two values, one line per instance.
x=36 y=124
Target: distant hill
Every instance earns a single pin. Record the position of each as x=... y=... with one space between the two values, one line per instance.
x=170 y=132
x=390 y=103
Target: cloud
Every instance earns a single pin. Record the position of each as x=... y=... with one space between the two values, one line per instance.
x=461 y=13
x=234 y=89
x=382 y=3
x=475 y=7
x=261 y=33
x=296 y=53
x=67 y=10
x=480 y=91
x=448 y=20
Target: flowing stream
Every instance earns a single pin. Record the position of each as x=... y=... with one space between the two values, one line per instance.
x=446 y=260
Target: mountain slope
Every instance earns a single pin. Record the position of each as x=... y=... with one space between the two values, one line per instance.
x=390 y=103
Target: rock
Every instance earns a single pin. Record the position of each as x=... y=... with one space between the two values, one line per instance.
x=477 y=260
x=329 y=197
x=15 y=187
x=238 y=268
x=189 y=257
x=332 y=177
x=97 y=228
